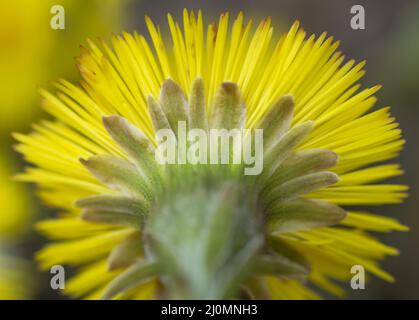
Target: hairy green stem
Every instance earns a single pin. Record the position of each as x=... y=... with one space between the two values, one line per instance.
x=206 y=238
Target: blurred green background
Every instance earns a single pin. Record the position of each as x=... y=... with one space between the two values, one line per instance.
x=32 y=54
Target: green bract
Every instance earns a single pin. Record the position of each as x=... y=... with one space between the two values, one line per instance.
x=206 y=229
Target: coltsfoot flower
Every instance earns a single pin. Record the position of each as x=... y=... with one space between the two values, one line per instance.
x=136 y=229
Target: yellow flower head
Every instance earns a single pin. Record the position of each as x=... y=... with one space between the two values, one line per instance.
x=208 y=231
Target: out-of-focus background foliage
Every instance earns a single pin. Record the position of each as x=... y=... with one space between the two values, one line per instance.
x=32 y=54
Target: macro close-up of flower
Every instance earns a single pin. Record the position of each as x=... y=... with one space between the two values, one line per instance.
x=130 y=227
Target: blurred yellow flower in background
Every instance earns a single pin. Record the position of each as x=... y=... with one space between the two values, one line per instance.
x=15 y=217
x=23 y=53
x=32 y=53
x=14 y=204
